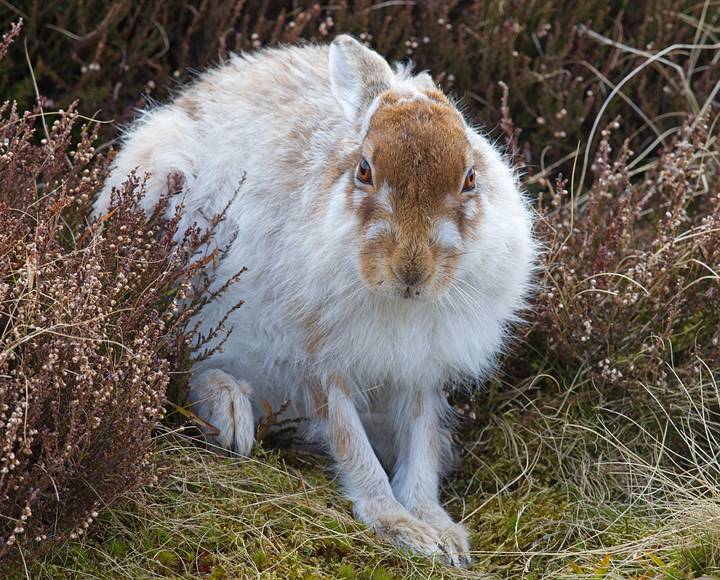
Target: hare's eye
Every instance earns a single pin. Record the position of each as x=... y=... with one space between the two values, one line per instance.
x=364 y=173
x=469 y=180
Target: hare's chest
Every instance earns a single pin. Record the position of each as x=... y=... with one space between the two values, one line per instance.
x=387 y=349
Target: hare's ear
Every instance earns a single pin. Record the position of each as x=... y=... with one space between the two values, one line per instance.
x=357 y=75
x=423 y=81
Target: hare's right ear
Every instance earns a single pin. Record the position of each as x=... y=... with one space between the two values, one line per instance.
x=357 y=75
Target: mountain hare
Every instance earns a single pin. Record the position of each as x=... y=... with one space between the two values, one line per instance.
x=387 y=249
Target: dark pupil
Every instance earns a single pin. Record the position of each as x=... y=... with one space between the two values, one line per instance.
x=471 y=176
x=364 y=170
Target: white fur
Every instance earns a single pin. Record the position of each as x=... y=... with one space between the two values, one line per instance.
x=274 y=118
x=377 y=230
x=383 y=198
x=447 y=234
x=224 y=403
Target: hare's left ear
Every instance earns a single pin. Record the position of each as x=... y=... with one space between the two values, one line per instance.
x=357 y=75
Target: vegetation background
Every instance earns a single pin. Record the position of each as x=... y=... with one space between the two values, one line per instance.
x=594 y=450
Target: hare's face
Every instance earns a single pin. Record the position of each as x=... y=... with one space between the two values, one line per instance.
x=414 y=192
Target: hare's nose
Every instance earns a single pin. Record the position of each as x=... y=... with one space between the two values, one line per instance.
x=412 y=276
x=412 y=268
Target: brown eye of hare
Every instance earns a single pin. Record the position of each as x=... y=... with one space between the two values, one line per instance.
x=469 y=180
x=364 y=173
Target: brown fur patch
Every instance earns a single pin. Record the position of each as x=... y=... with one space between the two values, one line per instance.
x=338 y=163
x=420 y=150
x=189 y=105
x=315 y=333
x=343 y=440
x=419 y=407
x=436 y=96
x=319 y=399
x=343 y=444
x=420 y=154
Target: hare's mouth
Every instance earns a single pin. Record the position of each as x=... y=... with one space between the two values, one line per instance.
x=428 y=290
x=420 y=294
x=411 y=293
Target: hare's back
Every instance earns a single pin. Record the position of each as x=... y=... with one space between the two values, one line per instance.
x=266 y=120
x=269 y=117
x=271 y=96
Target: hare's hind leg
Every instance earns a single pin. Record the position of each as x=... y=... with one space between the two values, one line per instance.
x=224 y=402
x=164 y=142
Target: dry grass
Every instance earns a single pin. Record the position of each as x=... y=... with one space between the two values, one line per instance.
x=277 y=514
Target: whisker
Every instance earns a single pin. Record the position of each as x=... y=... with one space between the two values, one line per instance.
x=449 y=299
x=471 y=300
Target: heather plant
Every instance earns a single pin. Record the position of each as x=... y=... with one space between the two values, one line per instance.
x=626 y=316
x=92 y=326
x=631 y=269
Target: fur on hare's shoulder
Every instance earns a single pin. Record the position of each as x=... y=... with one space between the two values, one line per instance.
x=388 y=251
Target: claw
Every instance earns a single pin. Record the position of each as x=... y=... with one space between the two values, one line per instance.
x=465 y=561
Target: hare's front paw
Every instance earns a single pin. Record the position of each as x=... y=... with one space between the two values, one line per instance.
x=224 y=403
x=454 y=537
x=408 y=532
x=457 y=546
x=414 y=535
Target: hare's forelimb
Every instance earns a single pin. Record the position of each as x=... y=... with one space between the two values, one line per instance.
x=423 y=446
x=369 y=488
